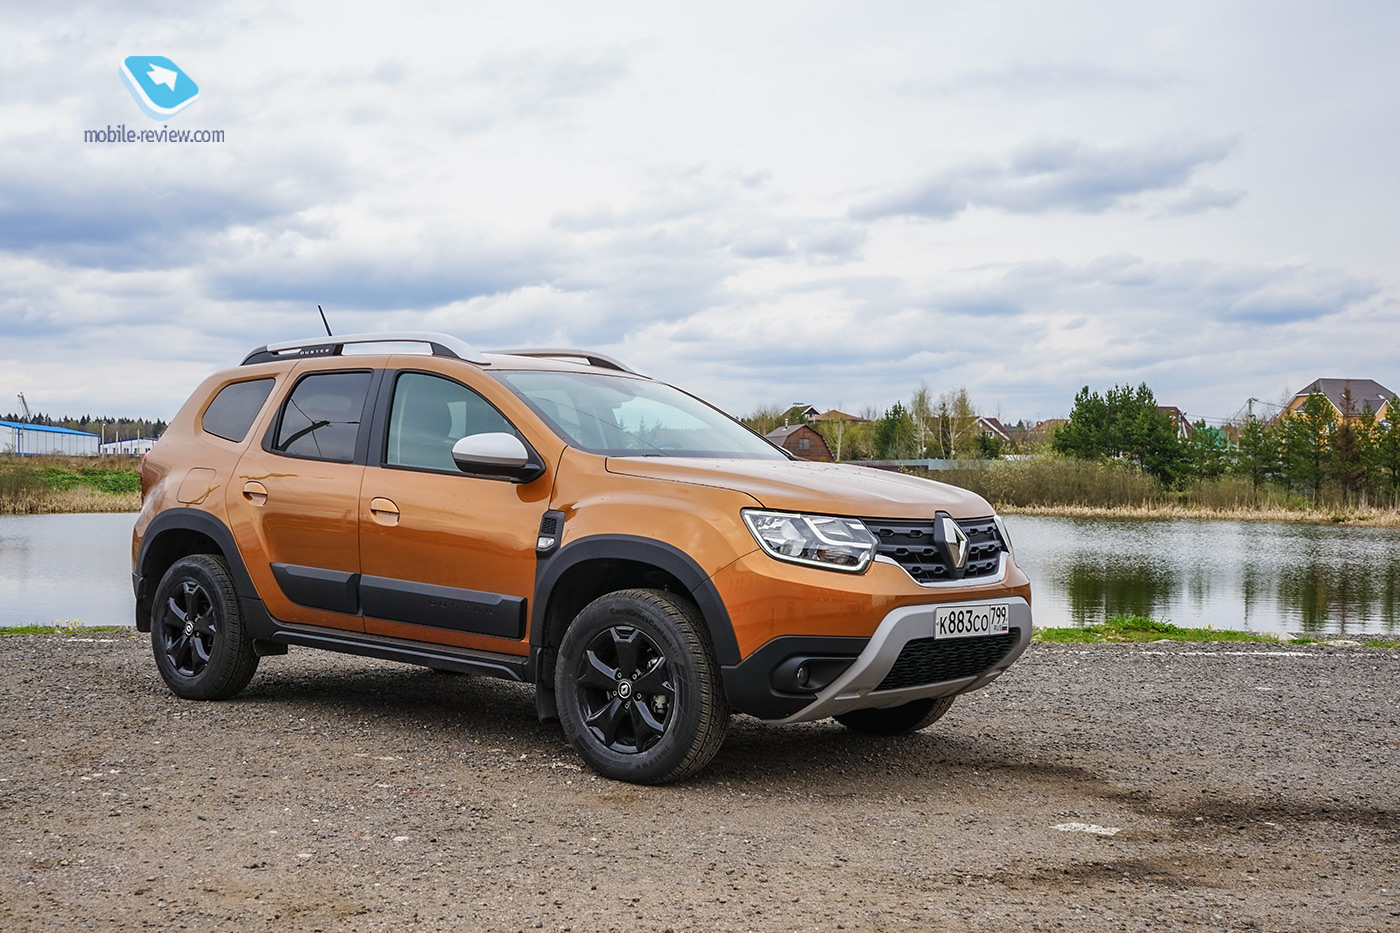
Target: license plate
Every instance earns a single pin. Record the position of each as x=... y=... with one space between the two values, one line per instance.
x=969 y=621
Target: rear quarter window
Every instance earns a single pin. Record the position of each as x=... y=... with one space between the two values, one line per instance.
x=235 y=408
x=321 y=417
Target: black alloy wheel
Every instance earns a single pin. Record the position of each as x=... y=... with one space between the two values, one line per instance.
x=188 y=628
x=638 y=688
x=625 y=690
x=201 y=647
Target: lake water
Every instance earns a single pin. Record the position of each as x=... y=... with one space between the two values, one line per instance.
x=1314 y=579
x=57 y=568
x=1254 y=576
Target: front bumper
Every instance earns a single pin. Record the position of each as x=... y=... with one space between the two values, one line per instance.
x=932 y=668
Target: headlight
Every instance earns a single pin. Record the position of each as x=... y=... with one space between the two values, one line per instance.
x=1005 y=536
x=816 y=540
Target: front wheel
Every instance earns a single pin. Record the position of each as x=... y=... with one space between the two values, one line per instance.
x=897 y=720
x=201 y=648
x=638 y=688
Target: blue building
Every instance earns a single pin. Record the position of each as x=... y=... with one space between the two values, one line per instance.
x=30 y=439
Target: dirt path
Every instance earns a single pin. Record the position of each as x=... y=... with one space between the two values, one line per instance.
x=1249 y=788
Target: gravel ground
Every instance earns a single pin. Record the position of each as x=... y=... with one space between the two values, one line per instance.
x=1245 y=787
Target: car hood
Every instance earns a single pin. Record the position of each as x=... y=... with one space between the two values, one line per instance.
x=804 y=486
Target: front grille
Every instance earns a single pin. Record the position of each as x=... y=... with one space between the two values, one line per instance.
x=911 y=545
x=934 y=660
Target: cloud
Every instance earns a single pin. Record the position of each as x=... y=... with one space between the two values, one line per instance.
x=1049 y=176
x=1198 y=199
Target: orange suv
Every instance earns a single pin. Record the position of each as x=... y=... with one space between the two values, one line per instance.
x=551 y=516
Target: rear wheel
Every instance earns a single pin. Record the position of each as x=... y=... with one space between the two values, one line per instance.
x=202 y=650
x=897 y=720
x=638 y=688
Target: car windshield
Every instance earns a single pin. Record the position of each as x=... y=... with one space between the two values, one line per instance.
x=620 y=416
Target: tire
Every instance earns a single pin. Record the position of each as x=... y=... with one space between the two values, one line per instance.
x=897 y=720
x=638 y=688
x=202 y=650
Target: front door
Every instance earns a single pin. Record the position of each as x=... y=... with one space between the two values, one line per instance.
x=445 y=558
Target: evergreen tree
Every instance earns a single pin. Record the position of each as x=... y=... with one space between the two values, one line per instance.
x=1258 y=453
x=895 y=435
x=1124 y=423
x=1388 y=451
x=1305 y=443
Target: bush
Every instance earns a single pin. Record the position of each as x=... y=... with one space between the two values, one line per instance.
x=1052 y=481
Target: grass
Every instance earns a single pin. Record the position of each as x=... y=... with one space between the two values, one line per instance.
x=1137 y=629
x=66 y=627
x=37 y=485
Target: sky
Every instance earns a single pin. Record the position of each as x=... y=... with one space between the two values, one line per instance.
x=761 y=202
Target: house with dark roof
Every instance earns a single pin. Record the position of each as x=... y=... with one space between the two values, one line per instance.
x=802 y=441
x=1363 y=392
x=994 y=428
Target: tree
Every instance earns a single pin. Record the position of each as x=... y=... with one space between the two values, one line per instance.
x=958 y=418
x=1368 y=459
x=1125 y=423
x=834 y=432
x=765 y=418
x=988 y=447
x=1343 y=453
x=922 y=413
x=1305 y=443
x=1388 y=449
x=1257 y=455
x=895 y=435
x=1085 y=435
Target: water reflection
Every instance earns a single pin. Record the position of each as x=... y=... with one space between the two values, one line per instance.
x=1097 y=589
x=65 y=567
x=1315 y=579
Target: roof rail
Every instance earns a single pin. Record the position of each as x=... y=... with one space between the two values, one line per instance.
x=587 y=356
x=441 y=345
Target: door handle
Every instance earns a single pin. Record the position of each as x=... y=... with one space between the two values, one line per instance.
x=255 y=492
x=384 y=511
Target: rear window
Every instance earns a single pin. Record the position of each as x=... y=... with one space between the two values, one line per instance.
x=321 y=418
x=235 y=408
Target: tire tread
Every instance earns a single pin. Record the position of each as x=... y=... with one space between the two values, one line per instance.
x=238 y=662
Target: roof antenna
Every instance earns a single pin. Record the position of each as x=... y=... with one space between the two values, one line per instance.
x=323 y=321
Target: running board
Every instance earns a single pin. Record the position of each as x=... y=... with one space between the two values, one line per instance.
x=442 y=657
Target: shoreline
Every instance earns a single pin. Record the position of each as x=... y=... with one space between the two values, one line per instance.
x=74 y=502
x=1354 y=518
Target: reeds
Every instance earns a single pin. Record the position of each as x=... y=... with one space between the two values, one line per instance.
x=1094 y=489
x=37 y=485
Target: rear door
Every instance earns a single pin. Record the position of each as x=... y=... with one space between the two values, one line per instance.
x=295 y=498
x=445 y=557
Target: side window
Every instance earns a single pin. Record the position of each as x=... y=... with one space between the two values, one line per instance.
x=429 y=415
x=235 y=408
x=321 y=418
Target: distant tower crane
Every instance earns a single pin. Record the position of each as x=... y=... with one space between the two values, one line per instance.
x=28 y=415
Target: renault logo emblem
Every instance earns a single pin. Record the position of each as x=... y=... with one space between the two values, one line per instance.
x=955 y=540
